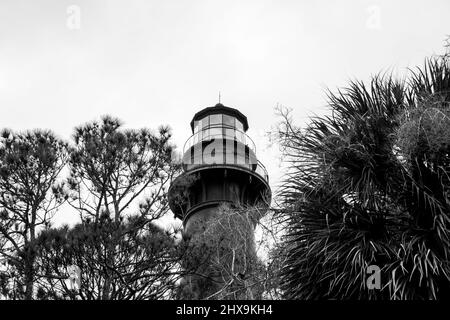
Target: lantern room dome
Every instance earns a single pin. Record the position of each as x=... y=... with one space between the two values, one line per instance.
x=219 y=115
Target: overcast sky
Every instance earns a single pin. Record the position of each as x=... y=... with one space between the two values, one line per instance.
x=152 y=62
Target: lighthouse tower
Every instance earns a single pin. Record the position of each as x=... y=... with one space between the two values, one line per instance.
x=219 y=166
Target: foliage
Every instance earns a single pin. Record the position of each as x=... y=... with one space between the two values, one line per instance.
x=221 y=260
x=111 y=167
x=368 y=185
x=145 y=262
x=30 y=164
x=117 y=183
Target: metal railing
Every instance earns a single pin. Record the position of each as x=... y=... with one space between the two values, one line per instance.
x=231 y=134
x=259 y=169
x=262 y=171
x=226 y=132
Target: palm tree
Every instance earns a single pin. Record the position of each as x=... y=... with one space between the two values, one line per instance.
x=369 y=185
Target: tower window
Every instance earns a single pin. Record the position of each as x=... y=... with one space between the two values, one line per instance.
x=215 y=119
x=228 y=120
x=239 y=125
x=205 y=122
x=240 y=137
x=230 y=133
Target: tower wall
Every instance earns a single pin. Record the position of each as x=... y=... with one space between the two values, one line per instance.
x=220 y=166
x=221 y=249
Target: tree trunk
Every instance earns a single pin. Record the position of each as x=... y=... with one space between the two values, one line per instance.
x=29 y=273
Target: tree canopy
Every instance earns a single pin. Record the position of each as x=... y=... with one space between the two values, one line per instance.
x=368 y=185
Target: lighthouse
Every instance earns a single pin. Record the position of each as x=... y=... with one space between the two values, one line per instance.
x=220 y=166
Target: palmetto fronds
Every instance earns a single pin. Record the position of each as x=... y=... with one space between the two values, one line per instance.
x=368 y=185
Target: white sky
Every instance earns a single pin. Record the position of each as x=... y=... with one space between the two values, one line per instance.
x=158 y=62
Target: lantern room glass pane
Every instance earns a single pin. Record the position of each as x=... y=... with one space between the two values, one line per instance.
x=196 y=126
x=215 y=119
x=239 y=125
x=240 y=137
x=205 y=122
x=230 y=133
x=228 y=120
